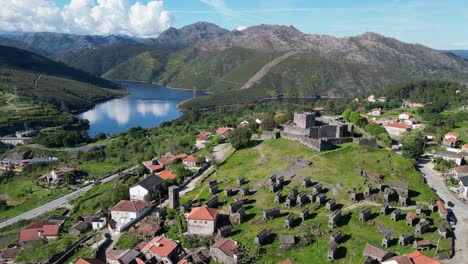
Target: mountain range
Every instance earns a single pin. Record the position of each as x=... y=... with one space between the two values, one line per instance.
x=260 y=61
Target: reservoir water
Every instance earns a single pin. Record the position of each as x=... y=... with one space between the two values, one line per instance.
x=147 y=106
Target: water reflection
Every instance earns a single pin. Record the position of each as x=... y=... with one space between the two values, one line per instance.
x=148 y=106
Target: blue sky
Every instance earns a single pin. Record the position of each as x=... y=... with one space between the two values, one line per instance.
x=440 y=24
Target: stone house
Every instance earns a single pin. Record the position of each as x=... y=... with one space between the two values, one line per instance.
x=290 y=201
x=336 y=237
x=79 y=228
x=403 y=199
x=125 y=213
x=213 y=202
x=318 y=187
x=271 y=213
x=280 y=180
x=274 y=187
x=289 y=221
x=320 y=199
x=304 y=214
x=367 y=190
x=240 y=215
x=395 y=215
x=410 y=218
x=240 y=181
x=228 y=191
x=405 y=239
x=376 y=253
x=225 y=250
x=245 y=191
x=272 y=179
x=122 y=256
x=353 y=194
x=332 y=251
x=287 y=241
x=301 y=199
x=386 y=240
x=278 y=197
x=306 y=182
x=202 y=221
x=141 y=189
x=294 y=191
x=384 y=209
x=330 y=205
x=365 y=214
x=261 y=236
x=166 y=251
x=97 y=223
x=422 y=227
x=335 y=218
x=313 y=196
x=213 y=186
x=234 y=207
x=224 y=231
x=419 y=208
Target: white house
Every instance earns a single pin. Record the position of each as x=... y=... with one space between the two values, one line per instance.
x=98 y=223
x=201 y=139
x=202 y=221
x=404 y=116
x=463 y=186
x=126 y=213
x=166 y=251
x=371 y=98
x=144 y=187
x=456 y=157
x=375 y=112
x=394 y=130
x=190 y=161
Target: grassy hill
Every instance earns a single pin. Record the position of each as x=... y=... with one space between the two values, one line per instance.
x=334 y=168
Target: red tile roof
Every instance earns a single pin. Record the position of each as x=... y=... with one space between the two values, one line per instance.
x=441 y=207
x=223 y=130
x=399 y=125
x=203 y=213
x=450 y=140
x=226 y=245
x=161 y=246
x=461 y=169
x=155 y=167
x=31 y=232
x=166 y=175
x=419 y=258
x=191 y=159
x=10 y=253
x=180 y=156
x=411 y=215
x=166 y=159
x=319 y=108
x=406 y=113
x=88 y=261
x=130 y=206
x=452 y=134
x=203 y=135
x=184 y=261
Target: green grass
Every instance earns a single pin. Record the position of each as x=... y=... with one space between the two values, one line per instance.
x=462 y=130
x=329 y=167
x=98 y=169
x=127 y=240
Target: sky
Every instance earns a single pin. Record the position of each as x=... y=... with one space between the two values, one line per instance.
x=439 y=24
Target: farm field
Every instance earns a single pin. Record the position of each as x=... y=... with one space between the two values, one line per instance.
x=338 y=170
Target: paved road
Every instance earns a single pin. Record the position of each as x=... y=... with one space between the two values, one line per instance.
x=58 y=202
x=460 y=210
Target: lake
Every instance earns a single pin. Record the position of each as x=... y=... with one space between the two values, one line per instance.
x=148 y=106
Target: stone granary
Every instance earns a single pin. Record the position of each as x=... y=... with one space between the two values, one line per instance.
x=213 y=186
x=234 y=207
x=302 y=199
x=290 y=201
x=245 y=191
x=240 y=181
x=228 y=191
x=240 y=215
x=400 y=187
x=304 y=214
x=403 y=199
x=384 y=209
x=261 y=236
x=331 y=204
x=419 y=208
x=421 y=245
x=442 y=230
x=422 y=227
x=272 y=179
x=306 y=182
x=336 y=237
x=380 y=185
x=271 y=213
x=410 y=218
x=386 y=240
x=422 y=217
x=186 y=207
x=313 y=195
x=442 y=210
x=387 y=194
x=318 y=187
x=280 y=180
x=278 y=197
x=353 y=194
x=287 y=241
x=332 y=251
x=320 y=199
x=365 y=214
x=213 y=202
x=432 y=206
x=406 y=239
x=335 y=218
x=224 y=231
x=376 y=253
x=395 y=215
x=274 y=187
x=289 y=221
x=294 y=191
x=368 y=190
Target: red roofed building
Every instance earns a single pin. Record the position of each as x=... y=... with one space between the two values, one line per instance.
x=442 y=210
x=125 y=213
x=464 y=148
x=166 y=159
x=202 y=221
x=223 y=132
x=224 y=250
x=394 y=130
x=190 y=161
x=88 y=261
x=375 y=111
x=38 y=231
x=202 y=138
x=319 y=109
x=415 y=257
x=404 y=116
x=163 y=249
x=153 y=166
x=460 y=171
x=450 y=139
x=166 y=175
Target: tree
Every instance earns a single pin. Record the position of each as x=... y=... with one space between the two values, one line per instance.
x=346 y=115
x=385 y=139
x=3 y=205
x=141 y=169
x=374 y=129
x=240 y=137
x=413 y=143
x=268 y=123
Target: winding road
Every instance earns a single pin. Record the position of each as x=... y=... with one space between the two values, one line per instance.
x=460 y=209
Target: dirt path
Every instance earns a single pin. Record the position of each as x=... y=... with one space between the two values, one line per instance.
x=266 y=68
x=37 y=81
x=367 y=203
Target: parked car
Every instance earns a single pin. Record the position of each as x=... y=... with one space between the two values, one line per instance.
x=450 y=204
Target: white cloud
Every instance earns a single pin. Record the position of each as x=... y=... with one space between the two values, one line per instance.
x=101 y=17
x=240 y=28
x=460 y=44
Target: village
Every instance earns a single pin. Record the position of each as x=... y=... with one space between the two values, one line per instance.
x=283 y=195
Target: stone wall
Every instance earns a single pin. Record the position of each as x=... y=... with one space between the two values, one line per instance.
x=270 y=135
x=372 y=142
x=297 y=130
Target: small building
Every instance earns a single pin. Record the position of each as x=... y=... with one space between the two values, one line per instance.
x=173 y=193
x=404 y=116
x=368 y=190
x=460 y=171
x=387 y=194
x=386 y=240
x=332 y=251
x=166 y=175
x=422 y=217
x=294 y=191
x=225 y=250
x=56 y=175
x=419 y=208
x=278 y=197
x=301 y=199
x=190 y=161
x=442 y=210
x=400 y=187
x=335 y=218
x=98 y=223
x=240 y=215
x=365 y=214
x=313 y=196
x=304 y=214
x=384 y=209
x=306 y=182
x=9 y=255
x=202 y=221
x=274 y=187
x=163 y=249
x=271 y=213
x=336 y=237
x=406 y=239
x=121 y=256
x=421 y=244
x=353 y=194
x=38 y=231
x=450 y=139
x=213 y=202
x=376 y=253
x=153 y=166
x=331 y=204
x=395 y=130
x=422 y=227
x=261 y=236
x=240 y=181
x=320 y=199
x=202 y=139
x=280 y=180
x=144 y=188
x=224 y=231
x=79 y=228
x=234 y=207
x=318 y=187
x=410 y=218
x=288 y=222
x=228 y=191
x=395 y=215
x=375 y=112
x=125 y=213
x=290 y=201
x=245 y=191
x=463 y=186
x=287 y=241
